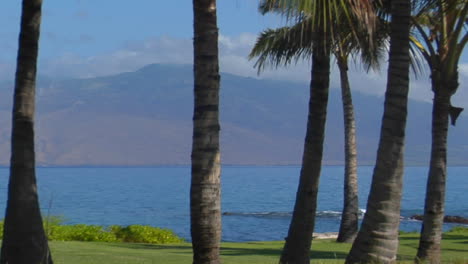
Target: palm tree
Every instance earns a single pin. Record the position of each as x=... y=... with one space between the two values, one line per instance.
x=287 y=44
x=350 y=214
x=370 y=48
x=326 y=14
x=205 y=191
x=299 y=239
x=24 y=239
x=377 y=240
x=443 y=36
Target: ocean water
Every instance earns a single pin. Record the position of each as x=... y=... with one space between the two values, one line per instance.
x=256 y=201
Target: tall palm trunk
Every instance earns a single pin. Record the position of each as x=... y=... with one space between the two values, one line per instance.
x=205 y=191
x=349 y=216
x=447 y=41
x=24 y=239
x=431 y=231
x=298 y=242
x=377 y=240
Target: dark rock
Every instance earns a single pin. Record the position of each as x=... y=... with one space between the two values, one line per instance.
x=417 y=217
x=455 y=219
x=447 y=219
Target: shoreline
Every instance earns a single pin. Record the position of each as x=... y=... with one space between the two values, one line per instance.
x=326 y=235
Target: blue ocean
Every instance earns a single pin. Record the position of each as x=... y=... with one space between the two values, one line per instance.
x=256 y=201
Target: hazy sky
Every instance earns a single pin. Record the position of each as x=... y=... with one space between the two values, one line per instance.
x=86 y=38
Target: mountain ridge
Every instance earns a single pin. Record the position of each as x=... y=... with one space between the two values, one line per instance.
x=143 y=118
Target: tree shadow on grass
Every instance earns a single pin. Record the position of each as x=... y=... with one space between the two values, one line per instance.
x=455 y=250
x=328 y=255
x=237 y=251
x=405 y=257
x=271 y=252
x=402 y=238
x=187 y=247
x=454 y=237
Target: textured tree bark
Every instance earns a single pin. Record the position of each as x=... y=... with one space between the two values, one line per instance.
x=444 y=75
x=205 y=191
x=24 y=239
x=431 y=231
x=298 y=242
x=377 y=240
x=350 y=214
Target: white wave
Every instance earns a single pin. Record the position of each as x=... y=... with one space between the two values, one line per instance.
x=279 y=214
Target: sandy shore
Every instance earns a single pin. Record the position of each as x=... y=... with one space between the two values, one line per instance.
x=327 y=235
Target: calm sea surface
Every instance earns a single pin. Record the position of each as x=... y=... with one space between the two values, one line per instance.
x=257 y=201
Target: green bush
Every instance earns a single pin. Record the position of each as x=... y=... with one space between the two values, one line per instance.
x=51 y=223
x=81 y=232
x=458 y=230
x=57 y=231
x=144 y=234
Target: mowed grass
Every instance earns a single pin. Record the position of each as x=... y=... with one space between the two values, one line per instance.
x=454 y=250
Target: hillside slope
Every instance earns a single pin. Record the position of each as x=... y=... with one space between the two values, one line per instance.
x=143 y=118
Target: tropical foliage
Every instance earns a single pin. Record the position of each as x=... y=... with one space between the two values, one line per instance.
x=312 y=37
x=290 y=44
x=316 y=30
x=377 y=240
x=441 y=38
x=57 y=231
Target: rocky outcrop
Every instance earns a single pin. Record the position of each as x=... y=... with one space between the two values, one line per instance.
x=447 y=219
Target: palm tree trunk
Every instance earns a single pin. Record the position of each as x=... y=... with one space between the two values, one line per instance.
x=349 y=217
x=205 y=191
x=24 y=239
x=431 y=231
x=298 y=242
x=377 y=240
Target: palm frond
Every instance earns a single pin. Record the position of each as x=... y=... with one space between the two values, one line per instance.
x=282 y=46
x=326 y=14
x=371 y=57
x=417 y=57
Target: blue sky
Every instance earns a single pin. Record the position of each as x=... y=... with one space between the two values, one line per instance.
x=87 y=38
x=89 y=27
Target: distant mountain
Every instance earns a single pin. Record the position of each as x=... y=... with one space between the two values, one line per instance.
x=143 y=118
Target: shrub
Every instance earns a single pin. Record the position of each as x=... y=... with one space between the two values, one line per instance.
x=51 y=223
x=56 y=230
x=144 y=234
x=459 y=230
x=81 y=232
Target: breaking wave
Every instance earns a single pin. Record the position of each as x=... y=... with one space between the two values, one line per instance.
x=259 y=214
x=321 y=214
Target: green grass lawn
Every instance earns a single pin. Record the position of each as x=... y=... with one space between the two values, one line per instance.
x=455 y=250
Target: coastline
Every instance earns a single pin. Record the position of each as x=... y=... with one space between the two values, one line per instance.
x=326 y=235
